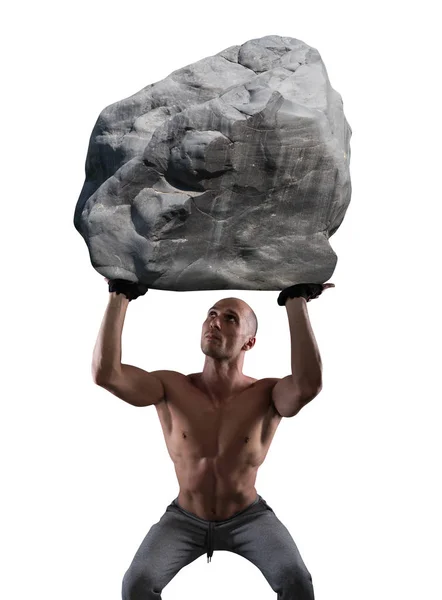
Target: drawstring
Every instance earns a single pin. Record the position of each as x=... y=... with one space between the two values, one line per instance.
x=210 y=542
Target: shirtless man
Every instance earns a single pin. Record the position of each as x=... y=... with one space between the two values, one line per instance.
x=218 y=426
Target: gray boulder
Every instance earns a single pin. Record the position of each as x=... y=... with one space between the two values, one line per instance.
x=230 y=173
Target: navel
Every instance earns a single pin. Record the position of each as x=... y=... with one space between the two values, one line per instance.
x=184 y=434
x=246 y=439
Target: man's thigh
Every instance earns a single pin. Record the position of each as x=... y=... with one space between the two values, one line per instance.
x=171 y=544
x=265 y=541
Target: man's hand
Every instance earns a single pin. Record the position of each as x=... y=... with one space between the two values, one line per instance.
x=309 y=291
x=129 y=289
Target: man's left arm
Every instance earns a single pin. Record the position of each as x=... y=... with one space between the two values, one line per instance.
x=294 y=391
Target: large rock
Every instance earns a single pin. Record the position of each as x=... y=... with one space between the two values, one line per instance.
x=232 y=172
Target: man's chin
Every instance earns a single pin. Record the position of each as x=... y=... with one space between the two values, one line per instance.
x=212 y=353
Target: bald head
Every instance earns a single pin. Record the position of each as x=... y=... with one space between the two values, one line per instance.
x=253 y=323
x=246 y=312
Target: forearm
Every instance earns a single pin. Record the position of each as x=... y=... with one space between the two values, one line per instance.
x=305 y=358
x=106 y=358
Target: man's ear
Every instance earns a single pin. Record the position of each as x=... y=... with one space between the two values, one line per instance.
x=246 y=346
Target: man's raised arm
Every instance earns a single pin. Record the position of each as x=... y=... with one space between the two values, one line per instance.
x=106 y=360
x=131 y=384
x=293 y=392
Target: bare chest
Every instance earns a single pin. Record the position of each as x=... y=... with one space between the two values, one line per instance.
x=240 y=428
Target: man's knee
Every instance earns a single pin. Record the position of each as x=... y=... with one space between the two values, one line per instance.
x=298 y=583
x=139 y=584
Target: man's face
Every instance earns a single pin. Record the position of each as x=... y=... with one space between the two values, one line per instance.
x=227 y=325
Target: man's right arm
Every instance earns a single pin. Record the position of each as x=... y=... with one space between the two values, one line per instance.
x=131 y=384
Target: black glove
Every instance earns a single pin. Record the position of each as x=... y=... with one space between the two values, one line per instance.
x=128 y=288
x=301 y=290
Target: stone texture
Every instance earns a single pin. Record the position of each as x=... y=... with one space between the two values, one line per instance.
x=232 y=172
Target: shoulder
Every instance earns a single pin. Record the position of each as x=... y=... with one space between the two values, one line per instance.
x=268 y=381
x=265 y=387
x=171 y=381
x=168 y=377
x=268 y=385
x=175 y=381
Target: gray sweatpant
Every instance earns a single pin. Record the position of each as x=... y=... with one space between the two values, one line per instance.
x=180 y=537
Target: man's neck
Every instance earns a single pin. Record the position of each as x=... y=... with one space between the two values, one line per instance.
x=220 y=380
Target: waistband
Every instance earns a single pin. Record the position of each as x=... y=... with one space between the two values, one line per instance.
x=207 y=521
x=212 y=524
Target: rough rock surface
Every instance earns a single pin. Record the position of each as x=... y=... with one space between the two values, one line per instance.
x=232 y=172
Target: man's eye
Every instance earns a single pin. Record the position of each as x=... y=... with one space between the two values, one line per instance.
x=228 y=316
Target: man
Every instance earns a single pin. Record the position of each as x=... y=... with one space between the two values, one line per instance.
x=218 y=426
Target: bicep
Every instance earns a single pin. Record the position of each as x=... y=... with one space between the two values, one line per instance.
x=136 y=386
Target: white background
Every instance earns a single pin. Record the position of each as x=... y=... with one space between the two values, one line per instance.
x=355 y=476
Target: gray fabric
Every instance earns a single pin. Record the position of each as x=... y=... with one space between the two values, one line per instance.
x=180 y=537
